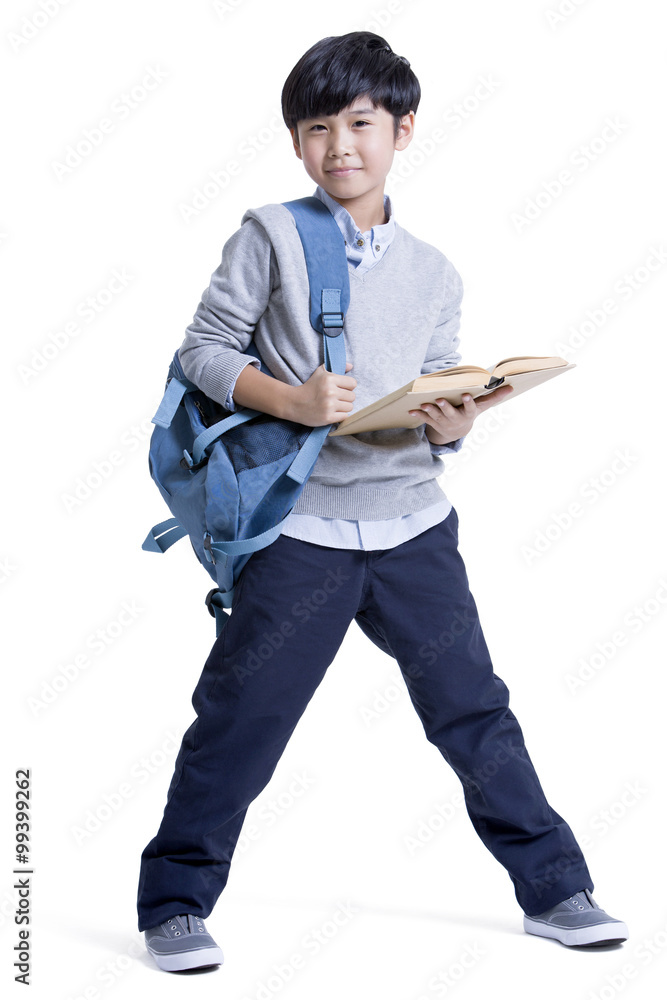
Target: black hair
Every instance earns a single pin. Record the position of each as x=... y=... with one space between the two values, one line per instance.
x=340 y=68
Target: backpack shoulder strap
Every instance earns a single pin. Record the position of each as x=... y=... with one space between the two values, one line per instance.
x=326 y=262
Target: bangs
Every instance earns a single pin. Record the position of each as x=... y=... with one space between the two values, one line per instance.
x=337 y=70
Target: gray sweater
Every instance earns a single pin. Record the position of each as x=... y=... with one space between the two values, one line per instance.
x=402 y=321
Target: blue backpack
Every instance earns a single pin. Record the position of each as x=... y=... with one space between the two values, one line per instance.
x=230 y=481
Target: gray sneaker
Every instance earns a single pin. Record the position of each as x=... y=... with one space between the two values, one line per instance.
x=576 y=921
x=182 y=943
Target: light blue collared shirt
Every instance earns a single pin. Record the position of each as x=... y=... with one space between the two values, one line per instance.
x=364 y=251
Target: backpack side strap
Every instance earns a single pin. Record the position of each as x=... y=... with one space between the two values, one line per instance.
x=212 y=433
x=176 y=389
x=163 y=535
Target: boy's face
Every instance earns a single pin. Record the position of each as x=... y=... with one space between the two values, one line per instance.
x=351 y=153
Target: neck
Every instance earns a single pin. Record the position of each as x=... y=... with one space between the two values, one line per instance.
x=367 y=210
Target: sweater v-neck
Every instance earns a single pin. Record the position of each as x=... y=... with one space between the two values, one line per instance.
x=398 y=236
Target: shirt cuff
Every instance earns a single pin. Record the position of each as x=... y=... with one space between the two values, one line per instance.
x=447 y=449
x=229 y=401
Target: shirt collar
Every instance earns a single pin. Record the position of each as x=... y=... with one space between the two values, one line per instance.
x=380 y=236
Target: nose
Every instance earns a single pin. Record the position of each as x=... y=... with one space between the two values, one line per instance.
x=340 y=143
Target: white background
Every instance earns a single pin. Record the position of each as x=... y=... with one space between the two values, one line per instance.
x=92 y=716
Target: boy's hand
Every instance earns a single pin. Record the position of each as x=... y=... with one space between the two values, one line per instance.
x=326 y=398
x=447 y=423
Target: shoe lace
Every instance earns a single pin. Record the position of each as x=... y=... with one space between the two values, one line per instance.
x=578 y=902
x=190 y=921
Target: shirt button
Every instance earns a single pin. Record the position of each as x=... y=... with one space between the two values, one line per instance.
x=377 y=246
x=360 y=243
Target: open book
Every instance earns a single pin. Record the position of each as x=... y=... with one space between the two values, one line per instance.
x=521 y=373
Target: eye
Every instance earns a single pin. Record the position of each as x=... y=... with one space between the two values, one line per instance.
x=362 y=123
x=315 y=128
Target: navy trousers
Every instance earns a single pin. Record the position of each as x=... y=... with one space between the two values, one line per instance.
x=292 y=607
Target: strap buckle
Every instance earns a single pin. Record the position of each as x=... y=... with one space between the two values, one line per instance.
x=332 y=314
x=332 y=323
x=215 y=602
x=208 y=550
x=210 y=601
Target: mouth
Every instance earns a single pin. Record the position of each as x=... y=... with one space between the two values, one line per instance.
x=343 y=172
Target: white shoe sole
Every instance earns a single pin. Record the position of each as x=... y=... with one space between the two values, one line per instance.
x=196 y=959
x=608 y=933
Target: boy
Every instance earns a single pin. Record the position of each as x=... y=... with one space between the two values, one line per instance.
x=372 y=517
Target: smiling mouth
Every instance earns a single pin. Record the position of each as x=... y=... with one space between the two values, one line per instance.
x=343 y=171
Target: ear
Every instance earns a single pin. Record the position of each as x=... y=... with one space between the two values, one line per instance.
x=294 y=132
x=406 y=131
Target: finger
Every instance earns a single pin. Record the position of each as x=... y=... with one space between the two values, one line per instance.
x=342 y=381
x=468 y=403
x=495 y=397
x=427 y=418
x=424 y=411
x=447 y=408
x=344 y=407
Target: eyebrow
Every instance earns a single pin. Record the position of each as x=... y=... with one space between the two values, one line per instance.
x=354 y=112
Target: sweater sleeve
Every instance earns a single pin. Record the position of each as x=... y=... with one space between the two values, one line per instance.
x=212 y=351
x=442 y=351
